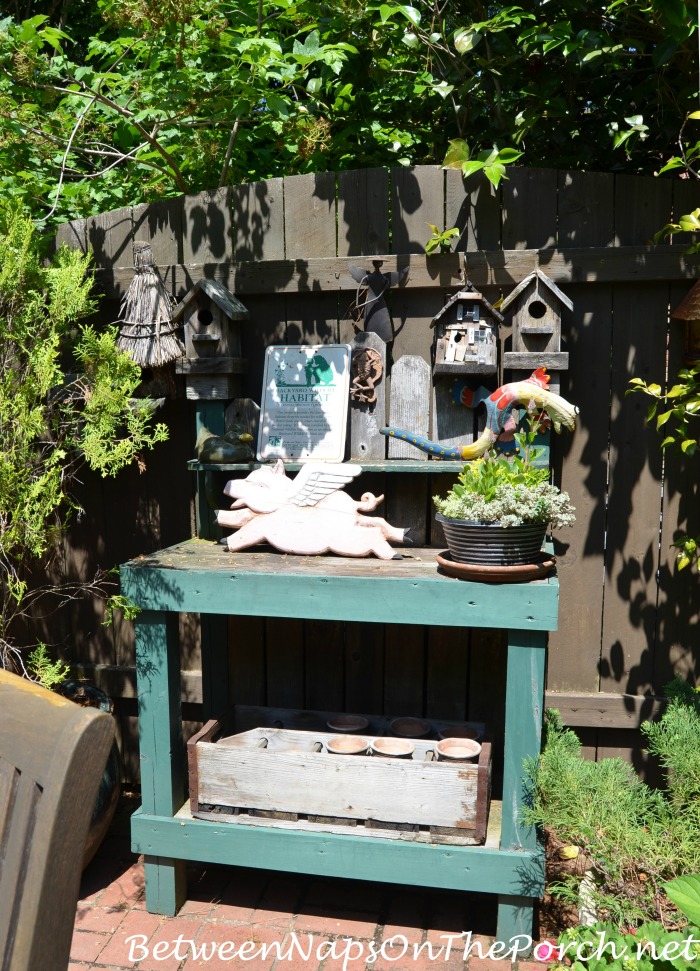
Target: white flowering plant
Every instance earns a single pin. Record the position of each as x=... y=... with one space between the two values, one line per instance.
x=508 y=491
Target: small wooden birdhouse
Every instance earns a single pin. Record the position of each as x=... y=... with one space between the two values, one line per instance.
x=213 y=363
x=466 y=335
x=536 y=307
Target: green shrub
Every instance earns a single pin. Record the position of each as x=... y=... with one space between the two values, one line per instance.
x=635 y=838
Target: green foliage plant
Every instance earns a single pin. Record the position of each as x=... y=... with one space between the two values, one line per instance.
x=508 y=490
x=440 y=240
x=66 y=400
x=42 y=669
x=635 y=838
x=674 y=413
x=649 y=947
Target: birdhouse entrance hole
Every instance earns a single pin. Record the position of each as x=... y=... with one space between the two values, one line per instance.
x=537 y=309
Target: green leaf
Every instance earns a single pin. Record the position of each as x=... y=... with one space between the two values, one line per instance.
x=469 y=168
x=684 y=892
x=662 y=419
x=466 y=39
x=387 y=11
x=457 y=154
x=443 y=89
x=508 y=155
x=495 y=172
x=689 y=446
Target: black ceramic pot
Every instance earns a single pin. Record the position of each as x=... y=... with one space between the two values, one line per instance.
x=490 y=544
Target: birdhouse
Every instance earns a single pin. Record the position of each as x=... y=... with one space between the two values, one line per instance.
x=688 y=310
x=212 y=318
x=466 y=335
x=536 y=308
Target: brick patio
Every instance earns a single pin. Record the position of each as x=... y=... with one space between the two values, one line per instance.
x=308 y=923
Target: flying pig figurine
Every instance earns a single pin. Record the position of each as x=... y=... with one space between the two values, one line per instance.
x=499 y=404
x=308 y=515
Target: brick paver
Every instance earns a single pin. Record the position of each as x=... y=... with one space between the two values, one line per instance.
x=262 y=921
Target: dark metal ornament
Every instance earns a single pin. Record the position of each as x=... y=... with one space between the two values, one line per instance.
x=377 y=319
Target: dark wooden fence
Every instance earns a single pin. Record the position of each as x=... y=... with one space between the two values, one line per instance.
x=627 y=621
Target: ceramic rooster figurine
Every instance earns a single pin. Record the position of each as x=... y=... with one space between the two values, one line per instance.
x=532 y=392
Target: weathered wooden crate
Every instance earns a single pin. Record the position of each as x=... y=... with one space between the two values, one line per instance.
x=275 y=775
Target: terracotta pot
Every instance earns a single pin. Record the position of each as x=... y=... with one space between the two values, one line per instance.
x=492 y=544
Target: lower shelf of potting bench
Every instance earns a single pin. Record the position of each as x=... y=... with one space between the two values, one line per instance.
x=251 y=843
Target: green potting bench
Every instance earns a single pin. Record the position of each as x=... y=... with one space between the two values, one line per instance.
x=202 y=577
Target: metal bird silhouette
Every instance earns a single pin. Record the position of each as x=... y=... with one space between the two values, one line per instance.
x=375 y=311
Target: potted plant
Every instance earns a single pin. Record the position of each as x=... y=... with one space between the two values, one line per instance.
x=498 y=511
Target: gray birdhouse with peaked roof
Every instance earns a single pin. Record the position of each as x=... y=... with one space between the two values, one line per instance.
x=466 y=335
x=212 y=317
x=536 y=305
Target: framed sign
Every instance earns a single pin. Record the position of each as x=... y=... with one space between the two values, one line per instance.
x=304 y=406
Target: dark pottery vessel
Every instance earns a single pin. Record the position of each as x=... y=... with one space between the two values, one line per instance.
x=492 y=544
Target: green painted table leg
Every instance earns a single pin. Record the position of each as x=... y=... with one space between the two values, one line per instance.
x=523 y=737
x=161 y=746
x=166 y=886
x=514 y=924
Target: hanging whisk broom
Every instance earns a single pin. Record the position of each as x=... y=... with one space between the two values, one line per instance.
x=146 y=331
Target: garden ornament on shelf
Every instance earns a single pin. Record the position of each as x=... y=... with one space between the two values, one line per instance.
x=309 y=515
x=146 y=329
x=372 y=303
x=234 y=446
x=531 y=393
x=366 y=372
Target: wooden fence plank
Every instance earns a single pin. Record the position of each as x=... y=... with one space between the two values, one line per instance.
x=161 y=224
x=363 y=217
x=73 y=235
x=586 y=203
x=310 y=215
x=258 y=221
x=407 y=503
x=643 y=204
x=634 y=495
x=410 y=391
x=529 y=209
x=324 y=665
x=581 y=460
x=501 y=268
x=404 y=670
x=284 y=651
x=447 y=673
x=474 y=207
x=678 y=609
x=366 y=420
x=247 y=660
x=634 y=492
x=364 y=668
x=206 y=228
x=417 y=198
